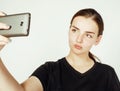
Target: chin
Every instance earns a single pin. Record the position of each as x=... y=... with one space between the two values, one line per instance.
x=77 y=52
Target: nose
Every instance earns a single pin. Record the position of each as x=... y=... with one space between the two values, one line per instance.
x=80 y=38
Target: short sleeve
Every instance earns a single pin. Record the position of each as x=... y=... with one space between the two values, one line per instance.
x=114 y=83
x=42 y=73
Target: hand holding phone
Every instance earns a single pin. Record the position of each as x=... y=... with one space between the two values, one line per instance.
x=19 y=25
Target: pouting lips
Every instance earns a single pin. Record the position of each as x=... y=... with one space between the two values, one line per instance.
x=77 y=46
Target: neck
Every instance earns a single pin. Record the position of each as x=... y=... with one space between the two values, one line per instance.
x=78 y=59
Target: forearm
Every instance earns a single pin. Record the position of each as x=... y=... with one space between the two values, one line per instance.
x=7 y=81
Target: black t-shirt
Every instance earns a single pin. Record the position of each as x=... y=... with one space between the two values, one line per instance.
x=61 y=76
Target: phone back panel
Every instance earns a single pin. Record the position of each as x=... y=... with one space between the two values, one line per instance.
x=19 y=23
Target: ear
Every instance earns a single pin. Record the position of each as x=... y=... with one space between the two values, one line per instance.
x=98 y=39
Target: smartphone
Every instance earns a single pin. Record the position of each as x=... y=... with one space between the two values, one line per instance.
x=19 y=25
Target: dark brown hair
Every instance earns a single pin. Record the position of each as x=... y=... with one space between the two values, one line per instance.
x=93 y=14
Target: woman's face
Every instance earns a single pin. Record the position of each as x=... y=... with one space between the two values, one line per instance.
x=83 y=34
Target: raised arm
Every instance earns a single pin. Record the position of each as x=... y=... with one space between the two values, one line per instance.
x=7 y=81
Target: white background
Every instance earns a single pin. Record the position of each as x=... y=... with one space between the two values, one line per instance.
x=48 y=39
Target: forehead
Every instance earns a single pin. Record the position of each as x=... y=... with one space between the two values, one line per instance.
x=86 y=24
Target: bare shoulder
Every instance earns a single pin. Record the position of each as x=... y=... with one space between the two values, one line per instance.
x=32 y=84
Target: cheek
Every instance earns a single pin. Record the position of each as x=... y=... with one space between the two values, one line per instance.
x=88 y=44
x=72 y=39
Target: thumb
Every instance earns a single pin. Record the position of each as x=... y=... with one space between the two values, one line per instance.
x=4 y=40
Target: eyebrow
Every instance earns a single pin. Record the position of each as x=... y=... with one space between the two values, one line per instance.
x=75 y=27
x=90 y=32
x=79 y=29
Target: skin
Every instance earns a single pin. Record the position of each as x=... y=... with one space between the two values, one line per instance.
x=31 y=84
x=82 y=36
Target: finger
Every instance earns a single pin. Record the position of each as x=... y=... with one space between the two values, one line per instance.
x=4 y=40
x=1 y=47
x=3 y=43
x=4 y=26
x=2 y=13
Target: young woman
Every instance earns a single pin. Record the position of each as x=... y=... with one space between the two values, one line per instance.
x=78 y=71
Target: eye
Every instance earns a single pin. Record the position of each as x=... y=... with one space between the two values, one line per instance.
x=73 y=30
x=89 y=35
